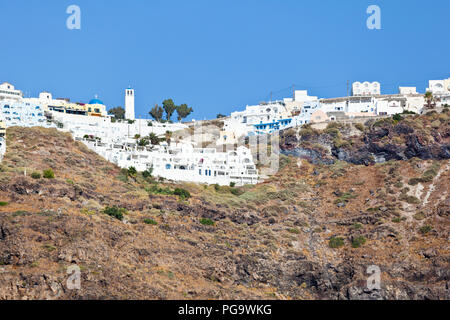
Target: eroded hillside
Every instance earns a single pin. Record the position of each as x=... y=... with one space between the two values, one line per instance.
x=310 y=232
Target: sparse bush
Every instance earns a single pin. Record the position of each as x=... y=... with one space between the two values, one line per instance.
x=123 y=175
x=49 y=247
x=147 y=173
x=206 y=222
x=232 y=184
x=344 y=198
x=419 y=216
x=182 y=193
x=236 y=191
x=294 y=230
x=358 y=241
x=216 y=187
x=157 y=190
x=36 y=175
x=425 y=229
x=132 y=171
x=336 y=242
x=49 y=174
x=398 y=185
x=397 y=117
x=357 y=226
x=359 y=126
x=410 y=199
x=115 y=212
x=150 y=221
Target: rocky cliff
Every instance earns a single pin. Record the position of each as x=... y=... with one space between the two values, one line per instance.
x=400 y=138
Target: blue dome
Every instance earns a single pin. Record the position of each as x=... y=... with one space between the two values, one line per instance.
x=95 y=101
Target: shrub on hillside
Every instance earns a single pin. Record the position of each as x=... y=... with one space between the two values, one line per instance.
x=36 y=175
x=182 y=193
x=206 y=222
x=336 y=242
x=49 y=174
x=115 y=212
x=425 y=229
x=236 y=191
x=358 y=241
x=150 y=221
x=132 y=171
x=359 y=126
x=147 y=173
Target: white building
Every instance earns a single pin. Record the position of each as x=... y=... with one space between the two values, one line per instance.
x=407 y=90
x=102 y=127
x=354 y=106
x=439 y=86
x=267 y=117
x=366 y=88
x=183 y=162
x=129 y=104
x=390 y=106
x=22 y=114
x=8 y=92
x=440 y=90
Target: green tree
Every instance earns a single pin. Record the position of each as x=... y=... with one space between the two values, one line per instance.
x=153 y=138
x=220 y=116
x=170 y=107
x=132 y=171
x=118 y=113
x=183 y=111
x=157 y=113
x=430 y=99
x=143 y=142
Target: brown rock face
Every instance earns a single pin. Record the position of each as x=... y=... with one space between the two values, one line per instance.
x=381 y=140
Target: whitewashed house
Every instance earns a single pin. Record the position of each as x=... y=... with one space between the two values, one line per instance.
x=366 y=88
x=22 y=113
x=440 y=90
x=183 y=162
x=9 y=92
x=268 y=117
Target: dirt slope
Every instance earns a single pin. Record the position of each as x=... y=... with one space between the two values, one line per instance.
x=270 y=241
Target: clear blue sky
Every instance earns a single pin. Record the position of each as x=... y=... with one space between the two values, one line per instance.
x=219 y=55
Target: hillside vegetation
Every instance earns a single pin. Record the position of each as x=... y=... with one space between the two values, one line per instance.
x=309 y=232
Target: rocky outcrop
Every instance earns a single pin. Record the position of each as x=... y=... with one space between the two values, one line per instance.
x=382 y=140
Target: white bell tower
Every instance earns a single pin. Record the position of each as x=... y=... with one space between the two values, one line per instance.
x=129 y=104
